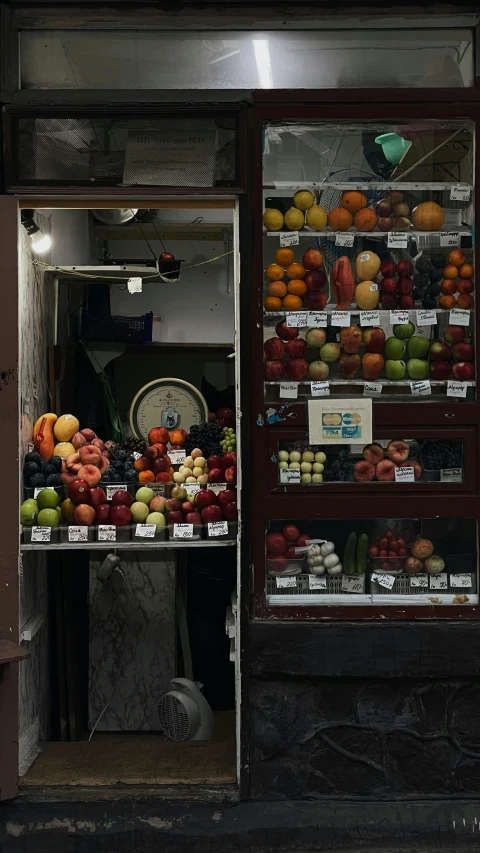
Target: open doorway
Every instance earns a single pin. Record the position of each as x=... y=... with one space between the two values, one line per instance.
x=128 y=323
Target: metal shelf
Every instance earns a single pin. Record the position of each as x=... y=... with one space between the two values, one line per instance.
x=214 y=231
x=462 y=230
x=384 y=313
x=412 y=186
x=361 y=382
x=127 y=546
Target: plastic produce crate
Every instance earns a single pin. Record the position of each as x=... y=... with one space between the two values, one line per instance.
x=333 y=585
x=116 y=329
x=402 y=585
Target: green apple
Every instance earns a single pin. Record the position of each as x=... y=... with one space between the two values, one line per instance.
x=156 y=518
x=145 y=495
x=418 y=347
x=394 y=349
x=417 y=368
x=139 y=511
x=47 y=499
x=28 y=513
x=395 y=369
x=404 y=331
x=48 y=518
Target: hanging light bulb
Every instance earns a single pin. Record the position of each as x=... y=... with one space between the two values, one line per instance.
x=40 y=242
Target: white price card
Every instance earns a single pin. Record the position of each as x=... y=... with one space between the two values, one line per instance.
x=344 y=238
x=217 y=528
x=289 y=390
x=217 y=487
x=136 y=455
x=460 y=193
x=399 y=318
x=317 y=319
x=78 y=534
x=159 y=488
x=459 y=317
x=111 y=490
x=420 y=580
x=145 y=531
x=317 y=582
x=177 y=457
x=286 y=583
x=451 y=238
x=372 y=389
x=289 y=475
x=451 y=475
x=107 y=533
x=462 y=580
x=369 y=318
x=439 y=582
x=41 y=534
x=426 y=318
x=296 y=321
x=422 y=388
x=194 y=488
x=456 y=389
x=41 y=489
x=183 y=531
x=386 y=581
x=340 y=318
x=289 y=238
x=397 y=240
x=404 y=475
x=320 y=389
x=353 y=583
x=134 y=285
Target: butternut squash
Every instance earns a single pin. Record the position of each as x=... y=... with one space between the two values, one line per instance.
x=43 y=437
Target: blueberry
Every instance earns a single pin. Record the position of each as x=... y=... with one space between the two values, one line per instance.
x=54 y=480
x=33 y=457
x=38 y=480
x=120 y=454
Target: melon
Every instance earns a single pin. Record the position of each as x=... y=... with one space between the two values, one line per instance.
x=367 y=295
x=428 y=216
x=367 y=266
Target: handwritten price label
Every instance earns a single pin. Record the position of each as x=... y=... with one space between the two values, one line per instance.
x=372 y=389
x=217 y=487
x=41 y=534
x=289 y=476
x=456 y=389
x=426 y=318
x=289 y=238
x=344 y=238
x=320 y=389
x=111 y=490
x=369 y=318
x=134 y=285
x=317 y=319
x=217 y=528
x=460 y=193
x=183 y=531
x=421 y=388
x=397 y=240
x=145 y=531
x=461 y=580
x=289 y=390
x=317 y=582
x=107 y=533
x=404 y=475
x=177 y=457
x=419 y=581
x=340 y=318
x=353 y=583
x=451 y=475
x=399 y=318
x=459 y=317
x=296 y=321
x=439 y=582
x=78 y=534
x=286 y=583
x=386 y=581
x=451 y=238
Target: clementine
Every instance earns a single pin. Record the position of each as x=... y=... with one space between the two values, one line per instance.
x=297 y=287
x=449 y=285
x=365 y=220
x=465 y=300
x=466 y=271
x=272 y=303
x=274 y=272
x=451 y=272
x=447 y=301
x=296 y=271
x=292 y=302
x=353 y=200
x=456 y=257
x=277 y=288
x=339 y=219
x=284 y=257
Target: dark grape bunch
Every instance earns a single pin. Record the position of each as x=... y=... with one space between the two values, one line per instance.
x=121 y=468
x=441 y=454
x=207 y=438
x=38 y=472
x=131 y=445
x=340 y=470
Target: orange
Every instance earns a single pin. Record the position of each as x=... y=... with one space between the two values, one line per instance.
x=277 y=288
x=451 y=272
x=353 y=201
x=296 y=271
x=146 y=477
x=447 y=301
x=465 y=300
x=284 y=257
x=274 y=272
x=466 y=271
x=428 y=216
x=292 y=303
x=456 y=257
x=449 y=285
x=365 y=220
x=272 y=303
x=339 y=219
x=297 y=287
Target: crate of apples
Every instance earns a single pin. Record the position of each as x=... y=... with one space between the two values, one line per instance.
x=388 y=554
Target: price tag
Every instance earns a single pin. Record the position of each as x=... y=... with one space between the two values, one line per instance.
x=459 y=316
x=353 y=583
x=461 y=580
x=399 y=318
x=404 y=475
x=41 y=534
x=159 y=488
x=421 y=388
x=456 y=389
x=386 y=581
x=439 y=581
x=297 y=321
x=134 y=285
x=451 y=238
x=289 y=390
x=317 y=319
x=39 y=489
x=145 y=531
x=107 y=533
x=286 y=583
x=289 y=238
x=289 y=475
x=320 y=389
x=372 y=389
x=183 y=531
x=397 y=240
x=177 y=457
x=340 y=318
x=344 y=238
x=218 y=487
x=317 y=582
x=117 y=488
x=136 y=455
x=426 y=318
x=451 y=475
x=420 y=580
x=217 y=528
x=78 y=534
x=460 y=193
x=194 y=488
x=369 y=318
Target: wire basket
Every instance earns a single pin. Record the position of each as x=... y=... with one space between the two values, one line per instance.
x=116 y=329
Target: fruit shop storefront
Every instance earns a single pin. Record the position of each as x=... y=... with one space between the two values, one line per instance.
x=240 y=429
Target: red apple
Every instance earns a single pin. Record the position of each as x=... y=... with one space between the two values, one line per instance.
x=297 y=348
x=276 y=543
x=158 y=435
x=212 y=513
x=312 y=259
x=374 y=340
x=84 y=514
x=173 y=505
x=439 y=351
x=388 y=285
x=193 y=518
x=226 y=497
x=286 y=333
x=388 y=269
x=230 y=475
x=102 y=513
x=406 y=301
x=405 y=285
x=385 y=223
x=464 y=371
x=274 y=349
x=440 y=369
x=79 y=492
x=389 y=301
x=161 y=465
x=166 y=256
x=230 y=511
x=120 y=515
x=206 y=497
x=215 y=475
x=291 y=532
x=291 y=554
x=315 y=279
x=97 y=496
x=214 y=462
x=296 y=369
x=230 y=458
x=454 y=334
x=187 y=507
x=315 y=300
x=141 y=464
x=122 y=497
x=463 y=351
x=226 y=414
x=273 y=370
x=383 y=207
x=176 y=517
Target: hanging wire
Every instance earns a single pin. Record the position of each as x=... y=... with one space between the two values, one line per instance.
x=85 y=275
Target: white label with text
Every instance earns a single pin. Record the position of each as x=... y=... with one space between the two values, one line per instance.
x=194 y=488
x=420 y=580
x=177 y=457
x=344 y=238
x=451 y=238
x=421 y=388
x=439 y=581
x=426 y=318
x=183 y=531
x=459 y=317
x=317 y=582
x=462 y=580
x=78 y=534
x=217 y=528
x=296 y=321
x=451 y=475
x=289 y=390
x=353 y=583
x=286 y=583
x=404 y=475
x=340 y=318
x=369 y=318
x=397 y=240
x=145 y=531
x=289 y=475
x=317 y=319
x=134 y=285
x=386 y=581
x=460 y=193
x=320 y=389
x=289 y=238
x=217 y=487
x=372 y=389
x=107 y=533
x=41 y=534
x=112 y=489
x=456 y=389
x=399 y=318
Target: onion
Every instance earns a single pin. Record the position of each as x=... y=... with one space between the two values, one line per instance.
x=422 y=548
x=413 y=566
x=434 y=565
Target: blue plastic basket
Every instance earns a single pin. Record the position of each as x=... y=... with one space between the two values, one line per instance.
x=116 y=329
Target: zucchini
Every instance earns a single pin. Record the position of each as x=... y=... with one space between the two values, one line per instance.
x=349 y=554
x=362 y=553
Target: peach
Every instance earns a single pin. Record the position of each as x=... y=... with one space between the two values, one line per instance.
x=196 y=453
x=373 y=453
x=88 y=434
x=398 y=451
x=73 y=463
x=146 y=477
x=90 y=473
x=89 y=455
x=363 y=472
x=412 y=463
x=163 y=477
x=103 y=464
x=158 y=504
x=386 y=470
x=141 y=464
x=97 y=442
x=79 y=440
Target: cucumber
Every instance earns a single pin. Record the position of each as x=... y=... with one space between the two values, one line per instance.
x=362 y=553
x=349 y=555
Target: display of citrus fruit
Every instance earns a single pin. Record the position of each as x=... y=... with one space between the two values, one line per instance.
x=428 y=216
x=296 y=271
x=303 y=199
x=272 y=303
x=292 y=302
x=353 y=200
x=316 y=218
x=294 y=219
x=365 y=220
x=297 y=287
x=340 y=219
x=277 y=288
x=274 y=272
x=273 y=219
x=284 y=257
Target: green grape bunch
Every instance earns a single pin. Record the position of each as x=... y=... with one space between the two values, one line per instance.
x=229 y=441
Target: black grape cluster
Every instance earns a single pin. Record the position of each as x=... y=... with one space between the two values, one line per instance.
x=121 y=468
x=207 y=438
x=338 y=471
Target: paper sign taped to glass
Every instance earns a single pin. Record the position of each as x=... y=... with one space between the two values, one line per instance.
x=173 y=158
x=333 y=421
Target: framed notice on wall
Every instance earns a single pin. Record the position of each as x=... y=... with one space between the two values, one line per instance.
x=170 y=158
x=333 y=421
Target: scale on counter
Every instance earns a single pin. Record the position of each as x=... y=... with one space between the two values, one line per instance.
x=166 y=402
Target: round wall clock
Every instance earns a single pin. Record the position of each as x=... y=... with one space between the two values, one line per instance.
x=166 y=402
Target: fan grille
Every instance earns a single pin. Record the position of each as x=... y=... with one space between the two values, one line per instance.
x=173 y=717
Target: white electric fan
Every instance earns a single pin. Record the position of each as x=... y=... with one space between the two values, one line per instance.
x=184 y=713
